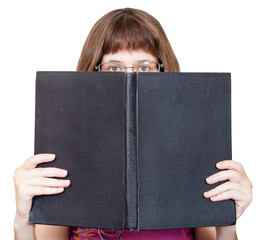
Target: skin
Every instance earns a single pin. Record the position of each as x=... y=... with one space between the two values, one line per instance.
x=31 y=181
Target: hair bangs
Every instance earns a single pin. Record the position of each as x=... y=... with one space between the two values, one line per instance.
x=129 y=34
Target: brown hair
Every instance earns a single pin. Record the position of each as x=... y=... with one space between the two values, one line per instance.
x=127 y=29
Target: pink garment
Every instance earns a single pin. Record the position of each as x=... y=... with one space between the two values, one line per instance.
x=105 y=234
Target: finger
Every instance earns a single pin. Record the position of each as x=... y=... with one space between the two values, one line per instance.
x=231 y=194
x=230 y=164
x=230 y=175
x=33 y=161
x=223 y=188
x=37 y=191
x=233 y=165
x=47 y=172
x=48 y=182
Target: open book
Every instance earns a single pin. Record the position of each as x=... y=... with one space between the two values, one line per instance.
x=138 y=148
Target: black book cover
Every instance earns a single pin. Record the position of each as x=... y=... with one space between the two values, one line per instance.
x=137 y=146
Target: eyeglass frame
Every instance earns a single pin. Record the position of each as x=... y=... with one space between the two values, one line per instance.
x=97 y=68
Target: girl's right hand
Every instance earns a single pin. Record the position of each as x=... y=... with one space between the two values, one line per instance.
x=31 y=181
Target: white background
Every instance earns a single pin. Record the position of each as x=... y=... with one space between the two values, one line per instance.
x=210 y=36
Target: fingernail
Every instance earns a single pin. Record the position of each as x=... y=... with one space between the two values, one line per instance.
x=61 y=189
x=205 y=194
x=67 y=182
x=64 y=171
x=51 y=156
x=219 y=164
x=209 y=179
x=214 y=198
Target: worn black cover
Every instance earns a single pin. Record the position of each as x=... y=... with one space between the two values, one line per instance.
x=138 y=147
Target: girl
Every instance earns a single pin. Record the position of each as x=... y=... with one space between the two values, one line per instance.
x=123 y=40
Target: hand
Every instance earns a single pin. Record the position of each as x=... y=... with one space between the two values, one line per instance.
x=238 y=187
x=31 y=181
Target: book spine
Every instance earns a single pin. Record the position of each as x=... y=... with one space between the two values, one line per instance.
x=131 y=151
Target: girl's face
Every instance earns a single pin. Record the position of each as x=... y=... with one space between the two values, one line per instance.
x=129 y=59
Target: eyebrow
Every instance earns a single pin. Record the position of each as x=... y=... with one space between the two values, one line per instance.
x=116 y=61
x=144 y=60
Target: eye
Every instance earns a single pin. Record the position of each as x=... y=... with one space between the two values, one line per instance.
x=143 y=68
x=114 y=68
x=147 y=66
x=110 y=67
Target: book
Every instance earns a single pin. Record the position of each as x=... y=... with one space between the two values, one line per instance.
x=138 y=148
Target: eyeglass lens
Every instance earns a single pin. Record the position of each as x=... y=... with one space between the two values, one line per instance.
x=139 y=67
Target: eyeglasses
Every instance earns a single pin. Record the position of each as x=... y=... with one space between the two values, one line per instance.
x=144 y=66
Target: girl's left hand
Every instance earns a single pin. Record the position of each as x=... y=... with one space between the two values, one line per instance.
x=238 y=187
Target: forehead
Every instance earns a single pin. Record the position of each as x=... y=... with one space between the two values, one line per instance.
x=128 y=57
